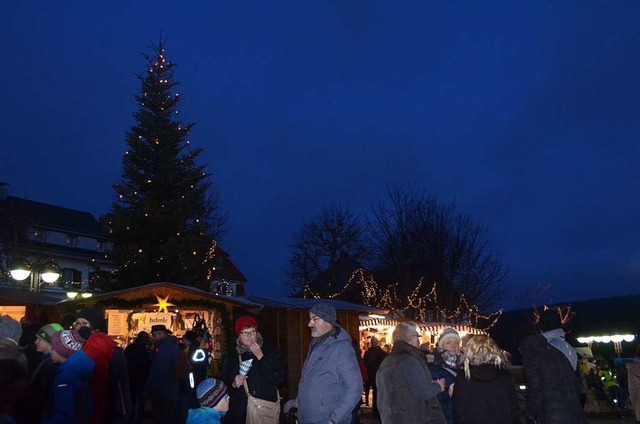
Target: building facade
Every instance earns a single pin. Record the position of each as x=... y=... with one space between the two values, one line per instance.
x=37 y=233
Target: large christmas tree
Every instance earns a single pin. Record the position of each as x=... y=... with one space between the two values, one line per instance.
x=166 y=218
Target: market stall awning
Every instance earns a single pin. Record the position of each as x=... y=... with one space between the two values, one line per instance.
x=11 y=296
x=174 y=291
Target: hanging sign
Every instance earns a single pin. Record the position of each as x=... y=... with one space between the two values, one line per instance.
x=143 y=321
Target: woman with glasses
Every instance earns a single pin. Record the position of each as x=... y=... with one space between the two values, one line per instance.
x=265 y=372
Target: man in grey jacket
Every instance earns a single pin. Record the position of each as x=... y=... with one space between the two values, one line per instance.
x=331 y=384
x=406 y=392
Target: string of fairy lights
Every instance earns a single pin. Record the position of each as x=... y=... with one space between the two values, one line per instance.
x=388 y=298
x=564 y=312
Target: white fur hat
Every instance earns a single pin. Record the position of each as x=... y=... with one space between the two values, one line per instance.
x=446 y=334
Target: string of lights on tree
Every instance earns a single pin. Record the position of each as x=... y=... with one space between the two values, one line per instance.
x=388 y=298
x=161 y=224
x=564 y=313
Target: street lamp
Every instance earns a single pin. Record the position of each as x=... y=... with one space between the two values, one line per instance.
x=84 y=293
x=48 y=271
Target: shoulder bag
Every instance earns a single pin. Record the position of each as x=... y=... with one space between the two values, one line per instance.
x=260 y=411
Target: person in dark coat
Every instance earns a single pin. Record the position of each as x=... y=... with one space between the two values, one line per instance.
x=553 y=386
x=31 y=404
x=198 y=356
x=138 y=356
x=163 y=385
x=13 y=381
x=446 y=360
x=265 y=374
x=70 y=400
x=373 y=357
x=484 y=393
x=407 y=393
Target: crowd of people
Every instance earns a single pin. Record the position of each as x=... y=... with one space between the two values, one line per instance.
x=79 y=375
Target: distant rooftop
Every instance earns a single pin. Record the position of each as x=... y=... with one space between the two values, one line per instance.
x=51 y=216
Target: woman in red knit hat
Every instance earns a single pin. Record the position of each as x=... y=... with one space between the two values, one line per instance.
x=262 y=369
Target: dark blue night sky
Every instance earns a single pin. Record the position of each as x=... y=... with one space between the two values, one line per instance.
x=527 y=114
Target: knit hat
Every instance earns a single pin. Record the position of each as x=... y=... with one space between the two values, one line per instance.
x=446 y=334
x=326 y=311
x=243 y=322
x=10 y=328
x=67 y=342
x=549 y=319
x=46 y=331
x=211 y=391
x=94 y=315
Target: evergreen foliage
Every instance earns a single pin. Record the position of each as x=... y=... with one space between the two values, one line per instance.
x=167 y=216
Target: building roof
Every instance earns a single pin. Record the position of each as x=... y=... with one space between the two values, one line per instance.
x=228 y=271
x=299 y=303
x=175 y=291
x=53 y=217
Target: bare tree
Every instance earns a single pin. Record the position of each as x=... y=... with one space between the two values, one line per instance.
x=324 y=253
x=413 y=236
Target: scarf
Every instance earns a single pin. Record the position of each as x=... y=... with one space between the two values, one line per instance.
x=317 y=341
x=556 y=339
x=450 y=359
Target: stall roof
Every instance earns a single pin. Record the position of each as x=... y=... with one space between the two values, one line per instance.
x=432 y=327
x=168 y=288
x=11 y=296
x=299 y=303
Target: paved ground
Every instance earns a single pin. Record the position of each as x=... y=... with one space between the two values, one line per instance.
x=366 y=417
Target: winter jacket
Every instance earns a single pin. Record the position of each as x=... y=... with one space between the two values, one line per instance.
x=99 y=347
x=633 y=370
x=407 y=393
x=162 y=380
x=138 y=364
x=553 y=387
x=263 y=379
x=488 y=397
x=119 y=403
x=70 y=401
x=372 y=359
x=440 y=371
x=330 y=384
x=199 y=359
x=30 y=405
x=204 y=415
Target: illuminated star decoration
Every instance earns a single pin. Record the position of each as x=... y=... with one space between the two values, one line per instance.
x=163 y=303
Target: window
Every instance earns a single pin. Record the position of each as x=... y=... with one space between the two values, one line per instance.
x=38 y=234
x=72 y=277
x=72 y=241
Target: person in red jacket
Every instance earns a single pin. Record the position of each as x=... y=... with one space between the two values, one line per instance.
x=109 y=383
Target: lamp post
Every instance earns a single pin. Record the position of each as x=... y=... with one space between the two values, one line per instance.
x=48 y=271
x=84 y=293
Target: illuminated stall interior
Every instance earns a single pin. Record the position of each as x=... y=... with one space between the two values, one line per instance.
x=382 y=328
x=178 y=308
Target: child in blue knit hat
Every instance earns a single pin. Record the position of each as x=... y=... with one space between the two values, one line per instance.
x=214 y=402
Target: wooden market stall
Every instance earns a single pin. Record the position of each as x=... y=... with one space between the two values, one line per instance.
x=382 y=328
x=178 y=307
x=35 y=308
